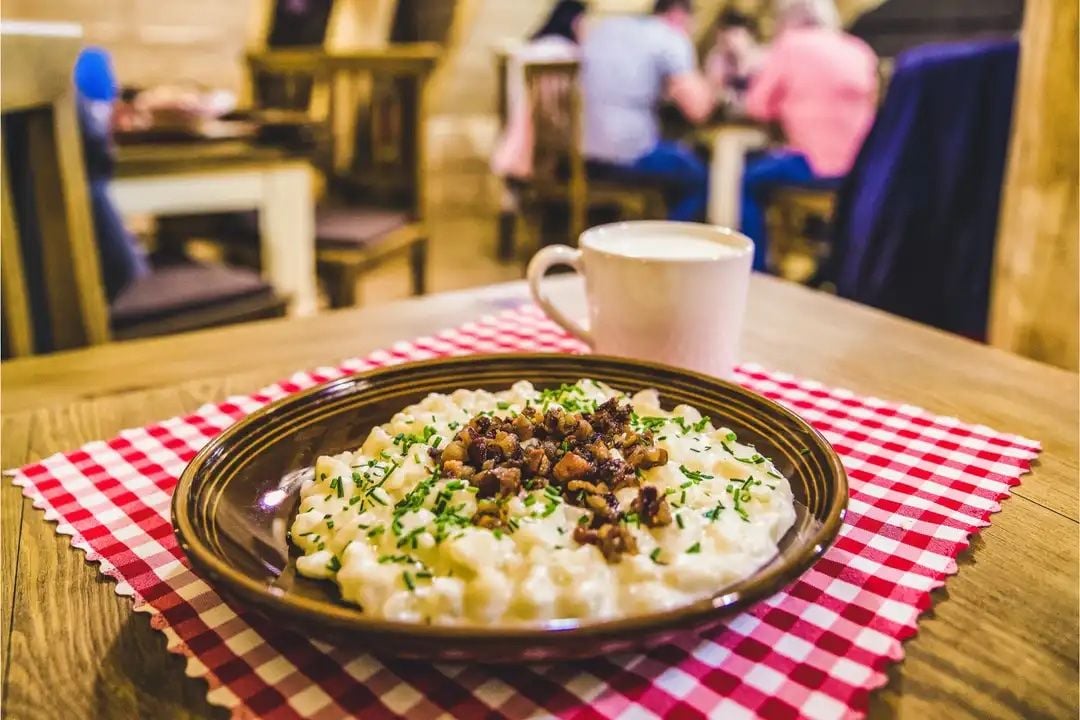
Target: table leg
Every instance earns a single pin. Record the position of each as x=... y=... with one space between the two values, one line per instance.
x=287 y=231
x=730 y=146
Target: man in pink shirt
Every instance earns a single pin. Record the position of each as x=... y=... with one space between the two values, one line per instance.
x=820 y=84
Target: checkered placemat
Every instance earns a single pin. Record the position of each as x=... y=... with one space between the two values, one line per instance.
x=920 y=485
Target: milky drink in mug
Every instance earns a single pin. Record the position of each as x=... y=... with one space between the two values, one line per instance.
x=669 y=292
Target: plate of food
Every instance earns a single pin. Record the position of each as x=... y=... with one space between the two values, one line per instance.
x=510 y=507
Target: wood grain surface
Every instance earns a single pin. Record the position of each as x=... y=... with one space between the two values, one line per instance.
x=1000 y=641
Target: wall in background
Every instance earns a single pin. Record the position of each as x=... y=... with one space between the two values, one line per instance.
x=153 y=41
x=204 y=41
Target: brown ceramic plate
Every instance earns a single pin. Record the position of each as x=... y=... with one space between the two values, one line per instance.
x=236 y=499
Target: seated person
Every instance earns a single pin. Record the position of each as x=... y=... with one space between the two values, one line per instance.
x=734 y=58
x=820 y=84
x=121 y=257
x=629 y=65
x=557 y=39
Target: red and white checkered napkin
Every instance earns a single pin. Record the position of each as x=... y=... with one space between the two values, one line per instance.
x=919 y=486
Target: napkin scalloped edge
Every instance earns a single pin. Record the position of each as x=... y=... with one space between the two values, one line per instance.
x=218 y=694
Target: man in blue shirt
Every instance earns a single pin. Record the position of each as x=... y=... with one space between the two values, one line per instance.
x=629 y=65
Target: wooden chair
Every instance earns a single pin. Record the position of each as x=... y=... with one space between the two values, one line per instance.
x=61 y=278
x=36 y=64
x=799 y=219
x=374 y=211
x=560 y=174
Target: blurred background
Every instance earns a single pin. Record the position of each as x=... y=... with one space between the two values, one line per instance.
x=250 y=159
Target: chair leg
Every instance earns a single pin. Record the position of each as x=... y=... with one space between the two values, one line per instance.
x=506 y=227
x=340 y=285
x=418 y=266
x=530 y=230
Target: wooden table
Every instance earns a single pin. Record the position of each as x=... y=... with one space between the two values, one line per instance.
x=1000 y=641
x=159 y=179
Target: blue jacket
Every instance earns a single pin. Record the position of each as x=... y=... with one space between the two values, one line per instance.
x=917 y=217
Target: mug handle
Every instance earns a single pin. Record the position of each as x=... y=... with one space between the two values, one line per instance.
x=548 y=257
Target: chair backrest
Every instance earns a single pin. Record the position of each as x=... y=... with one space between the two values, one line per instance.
x=291 y=26
x=553 y=92
x=388 y=154
x=47 y=194
x=385 y=89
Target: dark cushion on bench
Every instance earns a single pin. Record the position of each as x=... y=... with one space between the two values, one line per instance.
x=352 y=227
x=180 y=287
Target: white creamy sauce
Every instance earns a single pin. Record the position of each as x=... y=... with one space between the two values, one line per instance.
x=664 y=247
x=424 y=561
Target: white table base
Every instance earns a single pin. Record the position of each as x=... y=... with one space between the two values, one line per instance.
x=730 y=145
x=283 y=196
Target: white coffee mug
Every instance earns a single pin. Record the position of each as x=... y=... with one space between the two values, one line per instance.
x=670 y=292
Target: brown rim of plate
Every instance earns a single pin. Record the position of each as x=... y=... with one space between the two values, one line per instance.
x=762 y=583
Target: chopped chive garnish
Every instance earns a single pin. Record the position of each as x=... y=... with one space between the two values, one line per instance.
x=334 y=565
x=655 y=556
x=695 y=548
x=407 y=578
x=714 y=514
x=679 y=521
x=695 y=476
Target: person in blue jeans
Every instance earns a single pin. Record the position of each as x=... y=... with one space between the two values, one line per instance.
x=630 y=64
x=763 y=173
x=684 y=176
x=820 y=84
x=122 y=260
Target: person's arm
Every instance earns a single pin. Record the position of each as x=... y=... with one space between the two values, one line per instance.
x=685 y=84
x=693 y=96
x=767 y=86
